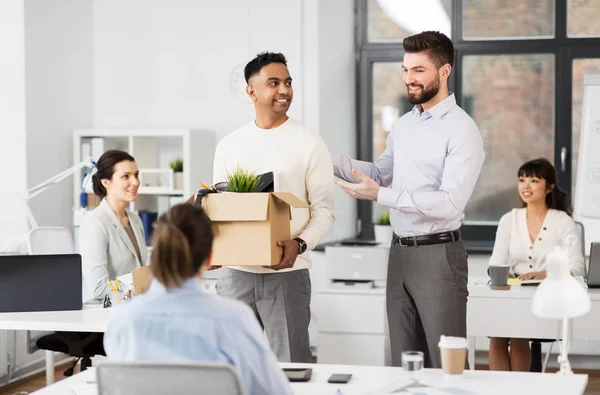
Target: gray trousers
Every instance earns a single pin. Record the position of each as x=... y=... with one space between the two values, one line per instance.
x=426 y=297
x=281 y=302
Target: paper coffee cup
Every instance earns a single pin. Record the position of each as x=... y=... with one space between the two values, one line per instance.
x=454 y=353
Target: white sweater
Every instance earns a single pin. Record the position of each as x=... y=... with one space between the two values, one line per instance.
x=512 y=240
x=302 y=164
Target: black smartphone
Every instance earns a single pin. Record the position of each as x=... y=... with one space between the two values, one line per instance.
x=339 y=378
x=302 y=374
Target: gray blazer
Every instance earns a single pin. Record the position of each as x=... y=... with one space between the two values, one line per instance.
x=106 y=250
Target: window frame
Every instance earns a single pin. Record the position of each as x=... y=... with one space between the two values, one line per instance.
x=478 y=237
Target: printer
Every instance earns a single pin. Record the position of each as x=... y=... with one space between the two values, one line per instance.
x=350 y=309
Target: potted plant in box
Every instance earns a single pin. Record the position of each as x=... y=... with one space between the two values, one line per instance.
x=242 y=181
x=177 y=166
x=383 y=229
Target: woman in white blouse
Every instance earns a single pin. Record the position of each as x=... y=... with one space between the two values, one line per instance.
x=523 y=238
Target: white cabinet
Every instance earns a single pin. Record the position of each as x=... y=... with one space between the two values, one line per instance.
x=351 y=326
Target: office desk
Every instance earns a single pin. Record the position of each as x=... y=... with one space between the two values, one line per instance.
x=91 y=319
x=508 y=314
x=371 y=380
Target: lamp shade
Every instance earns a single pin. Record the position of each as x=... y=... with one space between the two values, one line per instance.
x=560 y=295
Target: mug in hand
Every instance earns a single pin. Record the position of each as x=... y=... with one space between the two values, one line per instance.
x=499 y=275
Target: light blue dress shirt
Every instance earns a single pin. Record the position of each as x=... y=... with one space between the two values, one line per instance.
x=188 y=324
x=432 y=161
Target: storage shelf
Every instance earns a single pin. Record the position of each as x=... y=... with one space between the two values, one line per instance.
x=160 y=191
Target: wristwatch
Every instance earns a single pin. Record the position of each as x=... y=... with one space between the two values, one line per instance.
x=301 y=245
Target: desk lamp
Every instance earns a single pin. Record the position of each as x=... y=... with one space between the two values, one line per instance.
x=560 y=296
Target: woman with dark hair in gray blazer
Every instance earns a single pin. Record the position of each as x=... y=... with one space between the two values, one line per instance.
x=111 y=238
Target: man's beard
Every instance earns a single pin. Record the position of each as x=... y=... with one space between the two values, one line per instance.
x=426 y=94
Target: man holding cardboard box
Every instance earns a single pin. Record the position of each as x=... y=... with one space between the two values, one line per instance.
x=279 y=292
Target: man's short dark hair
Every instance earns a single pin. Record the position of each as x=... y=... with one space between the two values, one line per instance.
x=438 y=45
x=261 y=60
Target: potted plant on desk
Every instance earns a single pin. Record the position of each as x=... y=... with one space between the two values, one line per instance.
x=177 y=166
x=383 y=229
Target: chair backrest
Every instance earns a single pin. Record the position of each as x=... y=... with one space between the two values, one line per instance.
x=50 y=240
x=581 y=230
x=148 y=378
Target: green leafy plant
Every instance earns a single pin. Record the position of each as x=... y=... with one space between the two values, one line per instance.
x=384 y=218
x=177 y=165
x=242 y=181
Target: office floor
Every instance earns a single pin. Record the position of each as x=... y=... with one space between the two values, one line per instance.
x=39 y=381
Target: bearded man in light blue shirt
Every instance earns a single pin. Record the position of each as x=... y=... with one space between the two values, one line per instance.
x=177 y=321
x=425 y=176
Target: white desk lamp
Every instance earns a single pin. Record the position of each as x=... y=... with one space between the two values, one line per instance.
x=36 y=190
x=560 y=296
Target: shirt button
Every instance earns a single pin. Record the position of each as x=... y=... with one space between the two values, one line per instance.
x=531 y=266
x=529 y=257
x=544 y=228
x=540 y=239
x=531 y=247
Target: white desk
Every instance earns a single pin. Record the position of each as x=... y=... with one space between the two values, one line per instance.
x=92 y=319
x=508 y=314
x=373 y=380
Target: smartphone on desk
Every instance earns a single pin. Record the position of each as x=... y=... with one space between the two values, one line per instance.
x=301 y=374
x=338 y=378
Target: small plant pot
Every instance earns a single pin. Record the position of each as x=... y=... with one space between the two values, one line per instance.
x=178 y=180
x=383 y=234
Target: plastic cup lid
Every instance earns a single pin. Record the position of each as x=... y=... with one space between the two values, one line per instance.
x=452 y=342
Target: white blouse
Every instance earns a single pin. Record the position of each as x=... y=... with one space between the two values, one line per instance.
x=512 y=241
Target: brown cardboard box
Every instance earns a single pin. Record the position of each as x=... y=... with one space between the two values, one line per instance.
x=141 y=277
x=247 y=226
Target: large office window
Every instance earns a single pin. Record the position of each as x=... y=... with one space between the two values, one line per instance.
x=518 y=72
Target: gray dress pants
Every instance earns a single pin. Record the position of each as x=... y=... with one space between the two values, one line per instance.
x=426 y=297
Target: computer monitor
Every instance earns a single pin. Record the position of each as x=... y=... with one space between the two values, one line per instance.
x=40 y=283
x=593 y=276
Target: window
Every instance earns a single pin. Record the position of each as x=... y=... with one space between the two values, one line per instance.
x=518 y=72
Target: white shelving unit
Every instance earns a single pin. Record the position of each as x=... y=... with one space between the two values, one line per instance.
x=153 y=150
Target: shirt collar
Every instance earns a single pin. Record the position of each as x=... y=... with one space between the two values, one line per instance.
x=190 y=284
x=438 y=110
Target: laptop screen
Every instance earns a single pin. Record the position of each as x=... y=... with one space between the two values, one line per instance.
x=593 y=274
x=40 y=283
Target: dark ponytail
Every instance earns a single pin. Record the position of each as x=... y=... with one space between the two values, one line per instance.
x=542 y=168
x=106 y=168
x=181 y=243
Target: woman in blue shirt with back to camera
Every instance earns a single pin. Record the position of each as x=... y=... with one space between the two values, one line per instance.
x=176 y=320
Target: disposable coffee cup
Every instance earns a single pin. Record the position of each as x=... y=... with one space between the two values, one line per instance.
x=454 y=354
x=499 y=275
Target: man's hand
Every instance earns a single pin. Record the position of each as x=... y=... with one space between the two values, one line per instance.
x=290 y=253
x=533 y=276
x=367 y=189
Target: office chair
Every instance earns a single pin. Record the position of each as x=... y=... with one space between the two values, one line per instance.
x=82 y=345
x=149 y=378
x=536 y=344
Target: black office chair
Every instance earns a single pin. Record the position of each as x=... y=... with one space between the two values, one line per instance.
x=82 y=345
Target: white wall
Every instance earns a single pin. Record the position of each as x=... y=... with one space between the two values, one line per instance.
x=13 y=164
x=58 y=96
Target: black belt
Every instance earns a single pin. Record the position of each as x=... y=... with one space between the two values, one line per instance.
x=434 y=238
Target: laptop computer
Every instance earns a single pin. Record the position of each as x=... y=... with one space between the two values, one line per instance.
x=593 y=274
x=40 y=283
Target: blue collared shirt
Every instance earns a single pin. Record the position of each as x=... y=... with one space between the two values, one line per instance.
x=187 y=324
x=432 y=161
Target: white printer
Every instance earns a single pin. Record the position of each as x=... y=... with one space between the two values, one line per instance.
x=350 y=311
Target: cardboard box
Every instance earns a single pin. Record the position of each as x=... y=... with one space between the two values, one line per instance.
x=247 y=226
x=141 y=278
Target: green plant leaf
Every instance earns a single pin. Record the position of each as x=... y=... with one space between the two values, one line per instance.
x=242 y=180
